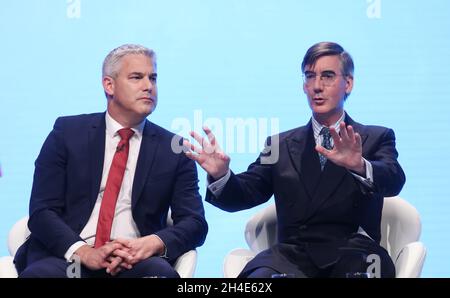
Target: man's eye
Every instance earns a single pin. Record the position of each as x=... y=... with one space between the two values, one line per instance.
x=310 y=76
x=328 y=75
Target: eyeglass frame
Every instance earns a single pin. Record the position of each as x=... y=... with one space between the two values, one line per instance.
x=322 y=77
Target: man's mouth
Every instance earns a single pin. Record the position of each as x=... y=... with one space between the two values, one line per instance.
x=319 y=100
x=147 y=98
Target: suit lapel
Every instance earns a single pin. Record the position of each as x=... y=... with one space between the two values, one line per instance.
x=147 y=152
x=311 y=164
x=296 y=145
x=96 y=154
x=357 y=127
x=305 y=163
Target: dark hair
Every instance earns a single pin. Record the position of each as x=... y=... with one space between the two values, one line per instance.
x=329 y=49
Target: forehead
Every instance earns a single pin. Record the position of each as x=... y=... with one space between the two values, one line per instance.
x=137 y=63
x=325 y=63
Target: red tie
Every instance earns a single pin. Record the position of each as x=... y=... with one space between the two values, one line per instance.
x=112 y=188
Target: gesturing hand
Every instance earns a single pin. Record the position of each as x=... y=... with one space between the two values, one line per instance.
x=210 y=157
x=347 y=150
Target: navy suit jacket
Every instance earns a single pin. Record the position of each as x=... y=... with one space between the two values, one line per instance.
x=68 y=173
x=318 y=210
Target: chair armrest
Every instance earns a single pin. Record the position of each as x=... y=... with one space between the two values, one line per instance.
x=7 y=268
x=410 y=260
x=235 y=261
x=186 y=263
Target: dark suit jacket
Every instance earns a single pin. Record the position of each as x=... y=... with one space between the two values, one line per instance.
x=67 y=180
x=318 y=210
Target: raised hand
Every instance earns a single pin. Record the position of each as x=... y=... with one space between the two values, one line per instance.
x=347 y=150
x=210 y=157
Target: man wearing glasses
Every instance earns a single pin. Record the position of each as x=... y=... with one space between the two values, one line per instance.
x=328 y=182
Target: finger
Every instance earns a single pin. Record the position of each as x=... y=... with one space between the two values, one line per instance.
x=116 y=271
x=104 y=264
x=198 y=138
x=123 y=241
x=343 y=132
x=193 y=156
x=335 y=136
x=192 y=146
x=126 y=265
x=358 y=140
x=351 y=133
x=123 y=254
x=114 y=263
x=322 y=150
x=211 y=137
x=223 y=156
x=109 y=247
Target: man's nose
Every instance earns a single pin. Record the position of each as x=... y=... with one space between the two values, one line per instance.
x=318 y=84
x=148 y=85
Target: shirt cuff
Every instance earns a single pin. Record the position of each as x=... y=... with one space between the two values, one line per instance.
x=165 y=248
x=217 y=186
x=72 y=249
x=368 y=180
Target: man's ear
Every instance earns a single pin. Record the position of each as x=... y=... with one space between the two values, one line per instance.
x=304 y=88
x=348 y=84
x=108 y=85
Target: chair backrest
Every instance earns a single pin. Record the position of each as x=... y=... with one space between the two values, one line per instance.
x=261 y=229
x=17 y=235
x=400 y=225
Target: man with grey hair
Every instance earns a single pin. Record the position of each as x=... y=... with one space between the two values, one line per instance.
x=328 y=182
x=104 y=183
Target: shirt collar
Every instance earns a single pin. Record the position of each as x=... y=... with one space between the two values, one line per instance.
x=112 y=126
x=317 y=127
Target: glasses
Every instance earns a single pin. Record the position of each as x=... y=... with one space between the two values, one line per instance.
x=327 y=78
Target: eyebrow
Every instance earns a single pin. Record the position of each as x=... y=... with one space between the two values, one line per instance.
x=325 y=71
x=154 y=74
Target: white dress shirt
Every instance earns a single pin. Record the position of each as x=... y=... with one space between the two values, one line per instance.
x=123 y=225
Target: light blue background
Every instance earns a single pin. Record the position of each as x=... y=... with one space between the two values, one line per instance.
x=239 y=59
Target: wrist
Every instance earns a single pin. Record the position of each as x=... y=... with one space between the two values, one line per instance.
x=159 y=248
x=360 y=168
x=82 y=252
x=220 y=175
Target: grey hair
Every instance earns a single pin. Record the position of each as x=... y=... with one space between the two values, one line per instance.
x=329 y=49
x=111 y=64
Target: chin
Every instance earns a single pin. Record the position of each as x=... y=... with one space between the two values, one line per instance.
x=320 y=110
x=148 y=108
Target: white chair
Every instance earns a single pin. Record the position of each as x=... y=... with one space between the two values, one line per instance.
x=400 y=233
x=185 y=264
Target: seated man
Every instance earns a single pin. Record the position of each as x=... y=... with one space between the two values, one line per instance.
x=104 y=183
x=328 y=178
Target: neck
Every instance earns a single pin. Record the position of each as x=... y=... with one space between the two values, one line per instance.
x=328 y=119
x=126 y=120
